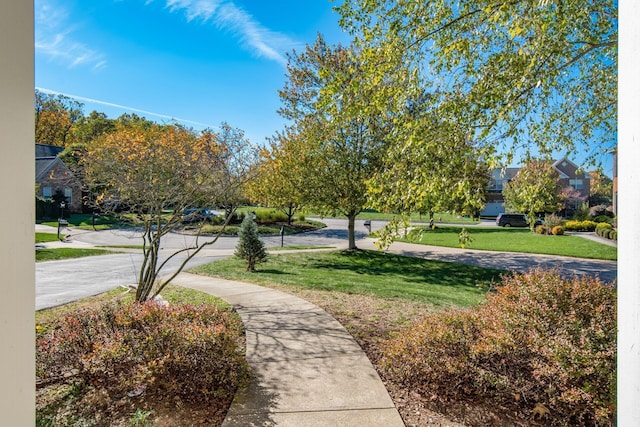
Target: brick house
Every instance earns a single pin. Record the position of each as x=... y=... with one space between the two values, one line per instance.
x=570 y=176
x=53 y=176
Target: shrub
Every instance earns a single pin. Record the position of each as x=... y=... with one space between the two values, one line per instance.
x=603 y=229
x=558 y=230
x=580 y=225
x=552 y=220
x=613 y=235
x=192 y=351
x=540 y=339
x=582 y=212
x=600 y=210
x=603 y=218
x=542 y=229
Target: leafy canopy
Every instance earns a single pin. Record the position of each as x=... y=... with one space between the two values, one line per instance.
x=517 y=74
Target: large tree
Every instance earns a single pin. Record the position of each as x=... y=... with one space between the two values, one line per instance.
x=535 y=189
x=279 y=182
x=55 y=116
x=519 y=74
x=155 y=172
x=340 y=122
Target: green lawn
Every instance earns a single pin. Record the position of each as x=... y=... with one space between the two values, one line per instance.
x=46 y=237
x=366 y=272
x=85 y=221
x=65 y=253
x=514 y=240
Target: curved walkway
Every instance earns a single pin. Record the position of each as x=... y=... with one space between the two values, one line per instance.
x=308 y=370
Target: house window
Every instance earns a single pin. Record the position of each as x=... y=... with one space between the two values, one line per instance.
x=68 y=193
x=46 y=192
x=576 y=184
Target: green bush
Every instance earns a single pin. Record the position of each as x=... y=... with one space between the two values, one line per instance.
x=603 y=218
x=558 y=230
x=192 y=351
x=613 y=235
x=541 y=339
x=586 y=225
x=603 y=229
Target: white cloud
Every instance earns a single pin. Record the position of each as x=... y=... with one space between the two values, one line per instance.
x=54 y=38
x=253 y=36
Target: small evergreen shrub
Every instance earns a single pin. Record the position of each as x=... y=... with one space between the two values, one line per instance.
x=613 y=235
x=540 y=339
x=194 y=351
x=558 y=230
x=250 y=247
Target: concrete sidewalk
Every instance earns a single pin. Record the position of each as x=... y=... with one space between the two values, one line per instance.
x=308 y=370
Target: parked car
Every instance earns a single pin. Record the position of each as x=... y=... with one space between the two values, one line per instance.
x=514 y=220
x=192 y=215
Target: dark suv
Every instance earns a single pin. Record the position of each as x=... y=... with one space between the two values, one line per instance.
x=512 y=220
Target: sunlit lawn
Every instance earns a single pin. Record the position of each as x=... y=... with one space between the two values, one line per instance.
x=514 y=240
x=366 y=272
x=51 y=254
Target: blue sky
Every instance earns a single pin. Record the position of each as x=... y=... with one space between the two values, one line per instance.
x=200 y=62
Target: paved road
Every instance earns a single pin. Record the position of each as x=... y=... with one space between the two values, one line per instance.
x=58 y=282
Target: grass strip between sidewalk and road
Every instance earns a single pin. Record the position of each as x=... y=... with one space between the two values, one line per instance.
x=513 y=240
x=367 y=273
x=50 y=254
x=46 y=237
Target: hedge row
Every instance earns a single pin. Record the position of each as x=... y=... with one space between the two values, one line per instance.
x=607 y=231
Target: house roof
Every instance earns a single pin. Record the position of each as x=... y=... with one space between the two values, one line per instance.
x=43 y=150
x=45 y=164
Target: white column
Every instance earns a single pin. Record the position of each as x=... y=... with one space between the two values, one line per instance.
x=629 y=215
x=17 y=174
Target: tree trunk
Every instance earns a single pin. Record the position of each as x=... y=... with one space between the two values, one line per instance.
x=352 y=232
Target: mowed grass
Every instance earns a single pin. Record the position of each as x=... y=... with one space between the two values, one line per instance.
x=66 y=253
x=46 y=237
x=514 y=240
x=86 y=222
x=368 y=273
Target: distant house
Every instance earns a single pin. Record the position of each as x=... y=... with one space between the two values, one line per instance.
x=570 y=176
x=53 y=176
x=495 y=201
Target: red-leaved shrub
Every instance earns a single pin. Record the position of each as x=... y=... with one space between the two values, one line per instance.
x=193 y=351
x=541 y=339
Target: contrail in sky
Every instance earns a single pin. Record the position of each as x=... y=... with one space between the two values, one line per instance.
x=123 y=107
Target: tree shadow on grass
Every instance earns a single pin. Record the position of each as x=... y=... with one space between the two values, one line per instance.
x=410 y=269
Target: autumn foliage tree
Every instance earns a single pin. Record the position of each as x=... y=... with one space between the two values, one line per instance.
x=279 y=181
x=55 y=116
x=155 y=172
